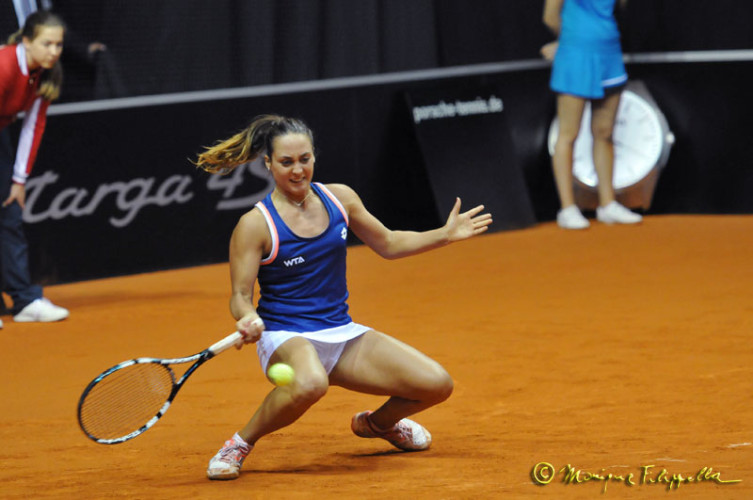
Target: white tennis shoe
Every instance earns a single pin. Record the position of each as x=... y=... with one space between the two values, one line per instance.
x=571 y=218
x=614 y=213
x=227 y=463
x=406 y=434
x=41 y=310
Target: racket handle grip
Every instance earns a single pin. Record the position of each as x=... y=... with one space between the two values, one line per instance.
x=233 y=339
x=225 y=343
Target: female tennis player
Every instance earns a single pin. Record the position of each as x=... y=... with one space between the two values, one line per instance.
x=587 y=67
x=294 y=243
x=30 y=78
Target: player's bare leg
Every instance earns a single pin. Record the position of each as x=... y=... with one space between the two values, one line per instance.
x=284 y=405
x=378 y=364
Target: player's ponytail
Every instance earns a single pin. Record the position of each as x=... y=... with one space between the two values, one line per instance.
x=245 y=146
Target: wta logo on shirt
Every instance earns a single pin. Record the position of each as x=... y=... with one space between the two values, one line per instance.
x=295 y=261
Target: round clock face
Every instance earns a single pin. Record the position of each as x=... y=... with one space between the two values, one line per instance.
x=638 y=141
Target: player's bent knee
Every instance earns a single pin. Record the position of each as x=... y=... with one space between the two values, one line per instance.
x=309 y=391
x=438 y=386
x=444 y=386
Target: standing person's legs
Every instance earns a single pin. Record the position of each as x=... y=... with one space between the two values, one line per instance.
x=569 y=113
x=14 y=254
x=6 y=162
x=603 y=113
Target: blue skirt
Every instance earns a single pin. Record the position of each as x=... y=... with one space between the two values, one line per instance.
x=586 y=70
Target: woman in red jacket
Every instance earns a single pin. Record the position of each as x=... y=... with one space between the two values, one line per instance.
x=30 y=78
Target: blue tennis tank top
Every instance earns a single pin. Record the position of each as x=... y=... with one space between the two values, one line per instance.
x=302 y=281
x=589 y=21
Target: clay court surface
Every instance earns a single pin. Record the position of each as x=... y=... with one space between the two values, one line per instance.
x=612 y=350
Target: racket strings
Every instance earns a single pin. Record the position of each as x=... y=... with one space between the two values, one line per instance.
x=126 y=400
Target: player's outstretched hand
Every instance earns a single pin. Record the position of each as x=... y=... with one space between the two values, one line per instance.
x=471 y=223
x=251 y=327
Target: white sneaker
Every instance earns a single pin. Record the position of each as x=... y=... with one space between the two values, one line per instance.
x=571 y=218
x=41 y=310
x=227 y=463
x=614 y=213
x=406 y=434
x=1 y=323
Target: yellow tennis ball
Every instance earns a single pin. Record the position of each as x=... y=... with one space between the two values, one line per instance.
x=281 y=374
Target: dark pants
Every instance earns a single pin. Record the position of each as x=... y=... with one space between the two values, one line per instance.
x=14 y=250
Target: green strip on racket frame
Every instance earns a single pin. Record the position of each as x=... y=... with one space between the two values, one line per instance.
x=126 y=400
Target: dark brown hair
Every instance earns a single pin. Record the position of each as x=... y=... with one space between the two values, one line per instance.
x=249 y=143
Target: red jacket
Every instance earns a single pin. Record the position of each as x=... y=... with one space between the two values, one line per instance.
x=18 y=92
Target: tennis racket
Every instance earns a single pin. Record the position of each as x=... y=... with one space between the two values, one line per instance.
x=129 y=398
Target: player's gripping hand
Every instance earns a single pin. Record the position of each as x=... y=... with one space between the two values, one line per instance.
x=250 y=326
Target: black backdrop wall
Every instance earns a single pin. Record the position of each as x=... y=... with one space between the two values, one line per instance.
x=113 y=191
x=162 y=46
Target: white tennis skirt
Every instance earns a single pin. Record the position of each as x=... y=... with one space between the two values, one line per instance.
x=329 y=343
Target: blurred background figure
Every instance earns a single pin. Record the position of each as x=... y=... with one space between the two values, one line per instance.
x=80 y=56
x=587 y=66
x=30 y=78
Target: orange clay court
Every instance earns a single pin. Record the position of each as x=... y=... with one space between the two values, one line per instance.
x=612 y=350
